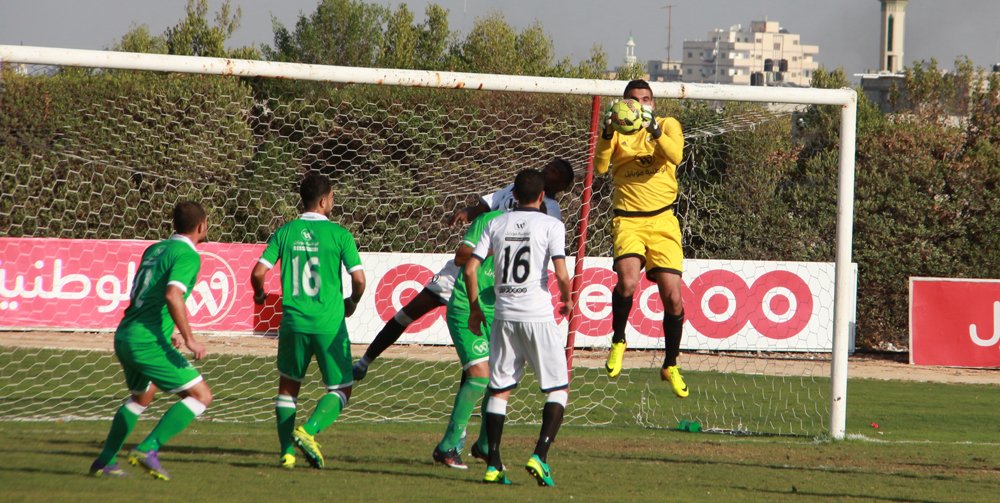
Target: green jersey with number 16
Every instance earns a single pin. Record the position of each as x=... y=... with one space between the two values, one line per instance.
x=312 y=251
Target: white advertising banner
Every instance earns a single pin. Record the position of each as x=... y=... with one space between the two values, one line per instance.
x=72 y=284
x=729 y=305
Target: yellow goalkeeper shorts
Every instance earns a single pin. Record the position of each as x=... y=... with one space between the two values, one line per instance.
x=655 y=239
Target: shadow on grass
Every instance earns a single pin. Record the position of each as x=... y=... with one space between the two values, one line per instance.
x=74 y=473
x=424 y=476
x=793 y=468
x=833 y=496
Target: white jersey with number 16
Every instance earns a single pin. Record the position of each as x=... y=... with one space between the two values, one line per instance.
x=523 y=241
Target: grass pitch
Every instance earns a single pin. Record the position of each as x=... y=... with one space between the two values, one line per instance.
x=934 y=442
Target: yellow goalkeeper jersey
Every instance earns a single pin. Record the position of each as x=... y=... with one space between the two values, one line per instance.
x=644 y=171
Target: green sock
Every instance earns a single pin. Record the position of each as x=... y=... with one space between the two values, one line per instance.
x=465 y=401
x=284 y=412
x=177 y=417
x=121 y=426
x=327 y=411
x=482 y=442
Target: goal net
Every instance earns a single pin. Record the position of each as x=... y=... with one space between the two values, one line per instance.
x=93 y=159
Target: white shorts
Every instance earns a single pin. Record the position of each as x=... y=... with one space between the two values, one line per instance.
x=512 y=343
x=443 y=283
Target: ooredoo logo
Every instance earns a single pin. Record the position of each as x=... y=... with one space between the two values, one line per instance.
x=594 y=302
x=400 y=285
x=778 y=304
x=717 y=304
x=214 y=295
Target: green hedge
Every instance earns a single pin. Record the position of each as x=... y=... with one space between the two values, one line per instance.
x=402 y=158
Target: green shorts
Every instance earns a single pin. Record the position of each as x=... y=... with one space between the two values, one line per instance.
x=471 y=348
x=157 y=362
x=333 y=355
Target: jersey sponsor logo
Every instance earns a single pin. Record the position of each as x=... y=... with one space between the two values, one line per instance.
x=641 y=172
x=644 y=160
x=214 y=293
x=307 y=235
x=511 y=290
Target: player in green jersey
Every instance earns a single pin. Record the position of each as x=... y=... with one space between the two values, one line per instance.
x=146 y=346
x=312 y=251
x=559 y=177
x=473 y=351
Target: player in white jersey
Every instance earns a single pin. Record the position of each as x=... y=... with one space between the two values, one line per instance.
x=524 y=330
x=559 y=176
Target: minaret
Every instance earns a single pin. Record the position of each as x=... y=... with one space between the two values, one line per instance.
x=630 y=51
x=891 y=45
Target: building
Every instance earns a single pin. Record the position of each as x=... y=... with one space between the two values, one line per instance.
x=664 y=71
x=766 y=54
x=886 y=90
x=630 y=65
x=891 y=43
x=886 y=87
x=630 y=51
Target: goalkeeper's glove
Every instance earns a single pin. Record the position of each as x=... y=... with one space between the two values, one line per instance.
x=608 y=131
x=649 y=122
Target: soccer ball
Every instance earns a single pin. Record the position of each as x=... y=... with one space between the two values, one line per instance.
x=626 y=116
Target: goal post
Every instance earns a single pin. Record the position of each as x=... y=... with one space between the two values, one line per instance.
x=846 y=99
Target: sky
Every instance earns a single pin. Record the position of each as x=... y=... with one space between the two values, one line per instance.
x=846 y=31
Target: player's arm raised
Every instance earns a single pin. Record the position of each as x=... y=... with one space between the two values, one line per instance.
x=605 y=143
x=178 y=311
x=468 y=214
x=669 y=141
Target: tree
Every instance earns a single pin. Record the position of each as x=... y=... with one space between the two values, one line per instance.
x=534 y=50
x=138 y=39
x=630 y=71
x=933 y=93
x=489 y=48
x=593 y=67
x=339 y=32
x=399 y=44
x=192 y=36
x=432 y=42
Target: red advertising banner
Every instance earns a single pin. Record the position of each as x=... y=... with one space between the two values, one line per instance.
x=84 y=284
x=955 y=322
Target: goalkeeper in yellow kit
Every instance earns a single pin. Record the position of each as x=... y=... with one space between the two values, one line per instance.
x=646 y=231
